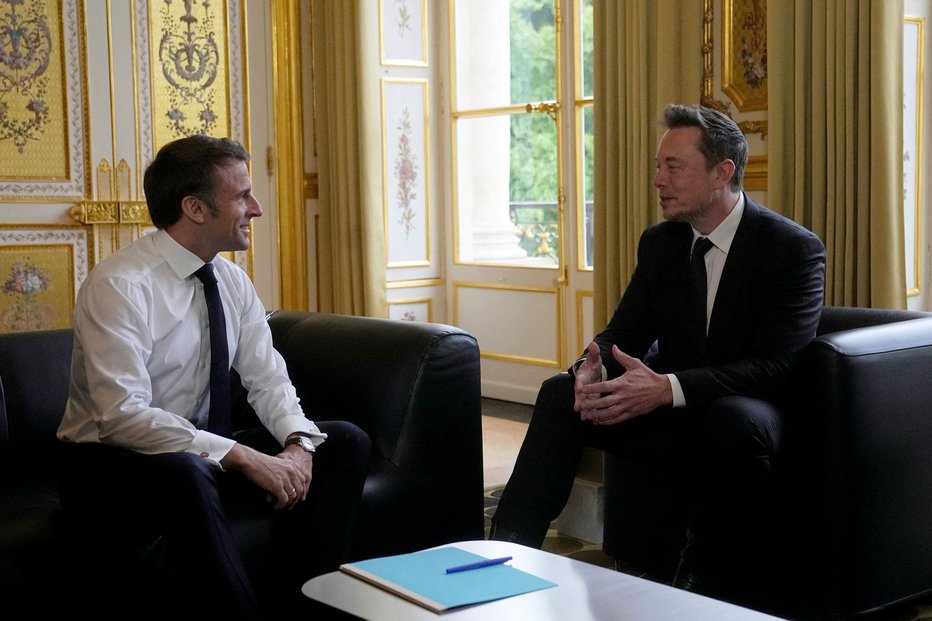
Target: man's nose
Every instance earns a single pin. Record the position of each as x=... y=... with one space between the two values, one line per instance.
x=256 y=209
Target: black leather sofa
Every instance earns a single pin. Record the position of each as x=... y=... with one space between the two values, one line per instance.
x=853 y=509
x=420 y=406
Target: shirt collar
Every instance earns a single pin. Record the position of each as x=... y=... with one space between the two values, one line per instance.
x=724 y=233
x=182 y=261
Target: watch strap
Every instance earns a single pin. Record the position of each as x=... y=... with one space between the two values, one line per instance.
x=302 y=441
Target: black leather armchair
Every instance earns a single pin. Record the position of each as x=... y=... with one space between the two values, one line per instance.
x=855 y=503
x=420 y=405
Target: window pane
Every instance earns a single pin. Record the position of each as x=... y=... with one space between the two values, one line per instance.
x=505 y=53
x=506 y=190
x=585 y=40
x=588 y=142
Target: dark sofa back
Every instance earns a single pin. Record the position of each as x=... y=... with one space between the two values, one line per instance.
x=415 y=388
x=35 y=368
x=838 y=318
x=353 y=391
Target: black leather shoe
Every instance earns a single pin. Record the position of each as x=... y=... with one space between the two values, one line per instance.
x=497 y=533
x=688 y=579
x=693 y=573
x=655 y=572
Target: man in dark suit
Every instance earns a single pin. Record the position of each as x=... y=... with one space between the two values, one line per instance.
x=688 y=374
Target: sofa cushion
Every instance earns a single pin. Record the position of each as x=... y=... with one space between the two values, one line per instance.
x=35 y=368
x=30 y=516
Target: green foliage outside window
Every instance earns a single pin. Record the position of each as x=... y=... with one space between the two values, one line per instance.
x=533 y=172
x=533 y=79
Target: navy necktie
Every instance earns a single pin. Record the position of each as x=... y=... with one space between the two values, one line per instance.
x=699 y=282
x=218 y=420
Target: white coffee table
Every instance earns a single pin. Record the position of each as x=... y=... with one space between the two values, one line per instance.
x=584 y=592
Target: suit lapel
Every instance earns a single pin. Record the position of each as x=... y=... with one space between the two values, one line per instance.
x=737 y=270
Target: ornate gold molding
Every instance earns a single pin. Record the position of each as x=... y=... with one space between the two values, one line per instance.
x=744 y=61
x=707 y=98
x=111 y=212
x=756 y=173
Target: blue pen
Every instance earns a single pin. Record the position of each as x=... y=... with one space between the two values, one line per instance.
x=479 y=564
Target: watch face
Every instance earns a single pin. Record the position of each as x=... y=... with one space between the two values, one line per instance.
x=306 y=444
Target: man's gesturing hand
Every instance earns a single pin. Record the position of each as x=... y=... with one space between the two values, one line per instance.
x=637 y=391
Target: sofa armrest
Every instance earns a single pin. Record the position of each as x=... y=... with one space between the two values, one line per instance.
x=838 y=318
x=866 y=424
x=415 y=389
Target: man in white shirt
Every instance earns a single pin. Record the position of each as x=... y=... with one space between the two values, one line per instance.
x=140 y=462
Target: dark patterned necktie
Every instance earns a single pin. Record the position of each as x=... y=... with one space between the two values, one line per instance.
x=218 y=420
x=699 y=283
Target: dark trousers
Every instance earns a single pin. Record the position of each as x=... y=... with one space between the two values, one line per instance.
x=120 y=502
x=719 y=461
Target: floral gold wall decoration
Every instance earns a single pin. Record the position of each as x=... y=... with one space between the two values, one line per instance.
x=403 y=28
x=406 y=171
x=34 y=140
x=25 y=55
x=405 y=191
x=41 y=270
x=735 y=38
x=23 y=288
x=189 y=42
x=744 y=57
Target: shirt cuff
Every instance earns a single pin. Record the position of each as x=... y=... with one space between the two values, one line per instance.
x=317 y=437
x=679 y=399
x=578 y=364
x=211 y=446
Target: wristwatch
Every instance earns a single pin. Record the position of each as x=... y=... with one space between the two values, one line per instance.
x=302 y=441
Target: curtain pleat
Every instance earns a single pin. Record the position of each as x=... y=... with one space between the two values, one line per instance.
x=351 y=264
x=647 y=54
x=835 y=139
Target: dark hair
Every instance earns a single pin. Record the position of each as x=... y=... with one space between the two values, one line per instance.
x=722 y=139
x=187 y=167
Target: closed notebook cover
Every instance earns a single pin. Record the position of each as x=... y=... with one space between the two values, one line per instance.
x=422 y=578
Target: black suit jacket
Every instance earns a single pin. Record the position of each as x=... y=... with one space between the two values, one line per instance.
x=766 y=309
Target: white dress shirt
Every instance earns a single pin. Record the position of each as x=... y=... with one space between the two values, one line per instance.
x=140 y=372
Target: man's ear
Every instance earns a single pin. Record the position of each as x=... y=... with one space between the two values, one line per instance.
x=194 y=209
x=725 y=170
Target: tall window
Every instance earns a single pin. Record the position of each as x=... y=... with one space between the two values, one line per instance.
x=508 y=104
x=583 y=45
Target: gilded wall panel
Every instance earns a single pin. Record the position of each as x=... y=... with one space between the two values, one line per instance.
x=190 y=75
x=41 y=270
x=188 y=47
x=42 y=100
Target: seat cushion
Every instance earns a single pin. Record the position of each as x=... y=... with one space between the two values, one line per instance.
x=30 y=515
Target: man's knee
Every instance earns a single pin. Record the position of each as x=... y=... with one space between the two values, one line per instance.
x=346 y=434
x=557 y=390
x=744 y=424
x=346 y=449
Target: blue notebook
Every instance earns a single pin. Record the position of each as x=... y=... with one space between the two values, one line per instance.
x=421 y=577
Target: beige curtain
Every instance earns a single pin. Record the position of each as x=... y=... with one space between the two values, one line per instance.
x=648 y=53
x=835 y=142
x=351 y=263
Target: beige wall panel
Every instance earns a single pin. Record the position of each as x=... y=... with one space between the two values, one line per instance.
x=494 y=314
